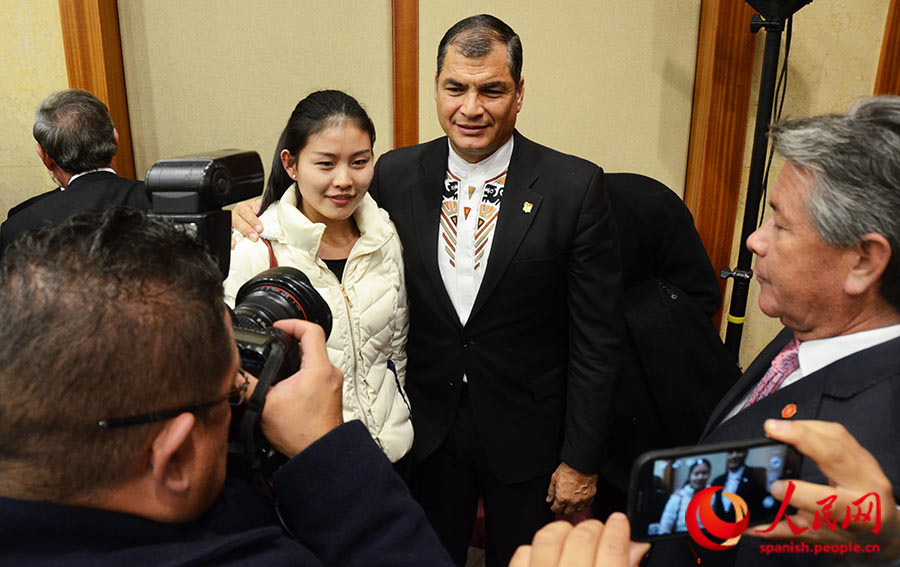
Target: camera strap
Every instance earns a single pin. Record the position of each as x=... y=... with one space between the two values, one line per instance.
x=273 y=261
x=250 y=425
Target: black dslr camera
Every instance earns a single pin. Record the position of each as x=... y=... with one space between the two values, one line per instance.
x=268 y=353
x=190 y=192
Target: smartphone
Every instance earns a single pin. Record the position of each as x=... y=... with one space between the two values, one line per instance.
x=664 y=482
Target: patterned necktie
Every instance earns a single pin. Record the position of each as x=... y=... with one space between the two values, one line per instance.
x=782 y=366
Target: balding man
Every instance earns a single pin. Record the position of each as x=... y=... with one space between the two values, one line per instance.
x=76 y=142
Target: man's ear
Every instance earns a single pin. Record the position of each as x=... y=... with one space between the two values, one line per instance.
x=45 y=157
x=871 y=257
x=520 y=94
x=116 y=139
x=171 y=453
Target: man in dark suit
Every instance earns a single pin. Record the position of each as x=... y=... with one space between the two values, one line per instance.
x=827 y=267
x=747 y=482
x=76 y=142
x=514 y=282
x=513 y=276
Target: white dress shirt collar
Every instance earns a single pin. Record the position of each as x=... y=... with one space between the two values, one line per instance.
x=493 y=165
x=817 y=354
x=77 y=175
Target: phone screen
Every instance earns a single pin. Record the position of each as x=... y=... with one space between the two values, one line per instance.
x=664 y=482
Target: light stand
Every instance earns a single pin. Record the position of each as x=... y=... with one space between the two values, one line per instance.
x=772 y=15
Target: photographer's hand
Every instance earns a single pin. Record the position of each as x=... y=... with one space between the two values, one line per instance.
x=589 y=543
x=244 y=219
x=852 y=473
x=302 y=408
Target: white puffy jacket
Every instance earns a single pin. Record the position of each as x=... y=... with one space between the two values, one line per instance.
x=371 y=318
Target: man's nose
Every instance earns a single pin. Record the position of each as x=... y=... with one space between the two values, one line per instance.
x=756 y=241
x=471 y=105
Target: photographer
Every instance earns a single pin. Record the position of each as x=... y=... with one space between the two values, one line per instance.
x=118 y=359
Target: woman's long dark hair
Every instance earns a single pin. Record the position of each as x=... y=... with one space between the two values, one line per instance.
x=311 y=115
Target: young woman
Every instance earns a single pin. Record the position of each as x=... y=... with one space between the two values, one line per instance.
x=674 y=513
x=319 y=218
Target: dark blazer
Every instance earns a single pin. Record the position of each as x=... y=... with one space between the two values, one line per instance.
x=28 y=202
x=96 y=191
x=658 y=239
x=340 y=497
x=861 y=391
x=675 y=368
x=541 y=346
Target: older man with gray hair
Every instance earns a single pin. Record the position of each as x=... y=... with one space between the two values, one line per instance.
x=76 y=142
x=828 y=267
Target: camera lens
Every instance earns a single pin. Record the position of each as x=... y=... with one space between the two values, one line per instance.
x=280 y=293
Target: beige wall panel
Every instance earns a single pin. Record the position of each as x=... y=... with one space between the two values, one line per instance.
x=834 y=56
x=213 y=74
x=607 y=80
x=32 y=65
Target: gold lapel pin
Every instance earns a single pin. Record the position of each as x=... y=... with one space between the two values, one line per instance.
x=527 y=207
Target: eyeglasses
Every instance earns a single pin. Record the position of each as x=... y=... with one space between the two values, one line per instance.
x=236 y=396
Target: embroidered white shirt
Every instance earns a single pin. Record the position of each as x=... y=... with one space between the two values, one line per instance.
x=469 y=211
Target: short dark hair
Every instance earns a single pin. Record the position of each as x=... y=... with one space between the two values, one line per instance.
x=316 y=112
x=107 y=314
x=75 y=129
x=853 y=158
x=475 y=37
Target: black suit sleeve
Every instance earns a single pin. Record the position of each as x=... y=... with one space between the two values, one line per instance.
x=596 y=325
x=343 y=501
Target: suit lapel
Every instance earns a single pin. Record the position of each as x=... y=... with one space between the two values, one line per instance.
x=515 y=217
x=425 y=195
x=805 y=396
x=840 y=379
x=748 y=379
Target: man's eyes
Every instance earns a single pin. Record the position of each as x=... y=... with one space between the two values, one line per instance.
x=492 y=92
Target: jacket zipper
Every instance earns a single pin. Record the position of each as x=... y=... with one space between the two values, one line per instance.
x=346 y=297
x=348 y=306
